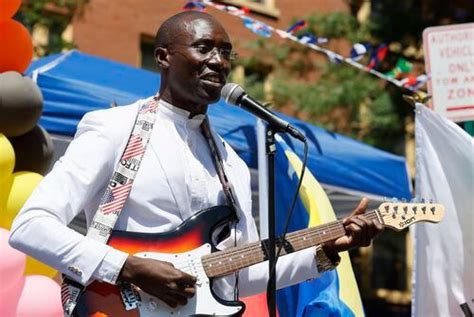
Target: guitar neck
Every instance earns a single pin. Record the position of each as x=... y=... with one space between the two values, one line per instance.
x=234 y=259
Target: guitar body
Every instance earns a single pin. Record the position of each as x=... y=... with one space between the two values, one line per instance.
x=184 y=247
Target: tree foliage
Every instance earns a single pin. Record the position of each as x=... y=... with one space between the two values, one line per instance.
x=330 y=95
x=341 y=98
x=55 y=16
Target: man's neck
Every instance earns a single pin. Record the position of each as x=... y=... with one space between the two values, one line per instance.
x=193 y=109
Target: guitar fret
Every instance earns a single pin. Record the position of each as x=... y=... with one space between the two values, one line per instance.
x=231 y=260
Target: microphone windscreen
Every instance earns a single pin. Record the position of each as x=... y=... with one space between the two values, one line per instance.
x=231 y=93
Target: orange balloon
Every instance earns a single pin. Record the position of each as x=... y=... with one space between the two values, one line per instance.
x=16 y=49
x=8 y=8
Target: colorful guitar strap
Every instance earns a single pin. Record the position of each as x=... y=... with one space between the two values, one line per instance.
x=117 y=192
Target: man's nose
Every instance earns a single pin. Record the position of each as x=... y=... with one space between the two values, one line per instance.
x=217 y=58
x=216 y=53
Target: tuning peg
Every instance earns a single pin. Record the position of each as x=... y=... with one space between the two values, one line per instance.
x=414 y=209
x=395 y=208
x=423 y=209
x=433 y=209
x=387 y=208
x=422 y=200
x=405 y=208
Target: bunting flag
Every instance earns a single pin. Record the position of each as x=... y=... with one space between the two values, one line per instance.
x=378 y=55
x=322 y=296
x=296 y=26
x=192 y=5
x=312 y=41
x=402 y=67
x=334 y=58
x=310 y=38
x=414 y=82
x=257 y=27
x=358 y=50
x=237 y=11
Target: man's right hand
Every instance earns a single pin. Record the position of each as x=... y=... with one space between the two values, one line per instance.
x=159 y=279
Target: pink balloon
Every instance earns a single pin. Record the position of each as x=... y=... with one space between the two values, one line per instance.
x=12 y=262
x=10 y=296
x=41 y=297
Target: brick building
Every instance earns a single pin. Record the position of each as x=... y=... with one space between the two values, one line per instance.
x=124 y=30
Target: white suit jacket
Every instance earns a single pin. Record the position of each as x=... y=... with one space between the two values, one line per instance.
x=158 y=202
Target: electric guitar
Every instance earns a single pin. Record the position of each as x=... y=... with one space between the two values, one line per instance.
x=189 y=248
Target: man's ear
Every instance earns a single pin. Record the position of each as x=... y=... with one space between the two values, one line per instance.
x=162 y=57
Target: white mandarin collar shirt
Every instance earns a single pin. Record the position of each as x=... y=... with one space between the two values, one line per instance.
x=202 y=182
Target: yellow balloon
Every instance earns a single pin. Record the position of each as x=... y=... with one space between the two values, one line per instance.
x=7 y=158
x=22 y=186
x=5 y=187
x=35 y=267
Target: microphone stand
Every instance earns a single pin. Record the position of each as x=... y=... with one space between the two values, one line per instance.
x=271 y=151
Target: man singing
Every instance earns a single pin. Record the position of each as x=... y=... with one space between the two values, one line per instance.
x=177 y=178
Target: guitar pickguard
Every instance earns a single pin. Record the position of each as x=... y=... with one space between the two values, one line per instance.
x=202 y=304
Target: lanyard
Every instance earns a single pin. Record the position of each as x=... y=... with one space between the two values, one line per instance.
x=116 y=194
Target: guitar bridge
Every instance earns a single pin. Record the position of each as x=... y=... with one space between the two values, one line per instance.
x=130 y=296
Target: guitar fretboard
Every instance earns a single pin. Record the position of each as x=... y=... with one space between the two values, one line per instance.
x=234 y=259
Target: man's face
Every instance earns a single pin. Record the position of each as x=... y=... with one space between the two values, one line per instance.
x=199 y=62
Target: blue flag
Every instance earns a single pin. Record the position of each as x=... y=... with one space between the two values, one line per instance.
x=323 y=296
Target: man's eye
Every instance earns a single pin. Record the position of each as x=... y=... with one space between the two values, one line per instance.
x=203 y=49
x=226 y=52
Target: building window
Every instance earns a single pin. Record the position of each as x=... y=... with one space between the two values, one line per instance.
x=264 y=7
x=147 y=52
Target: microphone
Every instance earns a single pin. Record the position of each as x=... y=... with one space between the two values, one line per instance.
x=236 y=95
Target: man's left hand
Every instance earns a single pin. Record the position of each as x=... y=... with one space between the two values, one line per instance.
x=359 y=231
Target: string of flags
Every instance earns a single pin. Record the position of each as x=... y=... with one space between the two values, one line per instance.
x=308 y=39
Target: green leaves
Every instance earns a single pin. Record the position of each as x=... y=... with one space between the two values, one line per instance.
x=340 y=98
x=55 y=15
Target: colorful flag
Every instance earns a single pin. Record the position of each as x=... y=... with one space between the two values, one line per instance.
x=236 y=11
x=194 y=5
x=257 y=27
x=402 y=67
x=378 y=56
x=358 y=50
x=413 y=82
x=322 y=296
x=296 y=27
x=334 y=57
x=444 y=252
x=310 y=38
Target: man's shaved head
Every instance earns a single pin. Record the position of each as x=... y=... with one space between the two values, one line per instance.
x=192 y=51
x=176 y=24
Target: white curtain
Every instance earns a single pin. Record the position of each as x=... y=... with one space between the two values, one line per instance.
x=444 y=266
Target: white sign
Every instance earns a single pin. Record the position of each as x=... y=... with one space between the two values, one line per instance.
x=449 y=59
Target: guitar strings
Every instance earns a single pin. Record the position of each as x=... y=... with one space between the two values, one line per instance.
x=331 y=228
x=215 y=258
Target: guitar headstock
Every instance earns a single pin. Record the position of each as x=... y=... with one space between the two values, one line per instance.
x=399 y=215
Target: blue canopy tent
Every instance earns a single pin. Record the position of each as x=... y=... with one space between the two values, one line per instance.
x=74 y=83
